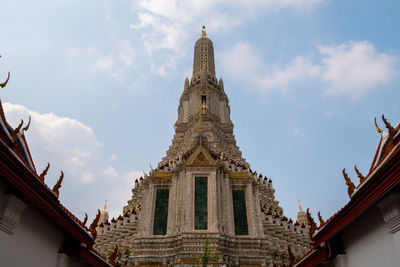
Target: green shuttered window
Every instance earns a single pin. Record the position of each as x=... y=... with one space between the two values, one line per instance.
x=200 y=203
x=239 y=211
x=161 y=212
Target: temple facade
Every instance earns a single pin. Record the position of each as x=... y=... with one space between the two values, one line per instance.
x=203 y=190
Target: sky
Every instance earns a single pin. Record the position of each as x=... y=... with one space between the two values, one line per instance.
x=102 y=81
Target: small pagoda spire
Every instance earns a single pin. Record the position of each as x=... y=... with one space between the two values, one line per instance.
x=186 y=87
x=203 y=32
x=105 y=206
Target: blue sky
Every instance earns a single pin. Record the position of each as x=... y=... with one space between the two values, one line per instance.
x=102 y=80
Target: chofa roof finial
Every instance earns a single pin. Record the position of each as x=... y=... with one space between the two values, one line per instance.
x=349 y=183
x=2 y=85
x=377 y=127
x=392 y=131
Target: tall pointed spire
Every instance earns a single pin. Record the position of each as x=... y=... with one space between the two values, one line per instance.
x=203 y=53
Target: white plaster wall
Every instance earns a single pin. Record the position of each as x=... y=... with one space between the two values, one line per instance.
x=367 y=242
x=36 y=241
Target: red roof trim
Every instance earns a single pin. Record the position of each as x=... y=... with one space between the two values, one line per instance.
x=25 y=181
x=313 y=258
x=376 y=156
x=382 y=182
x=90 y=257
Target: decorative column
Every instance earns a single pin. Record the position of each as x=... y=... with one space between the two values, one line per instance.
x=260 y=228
x=146 y=212
x=212 y=202
x=230 y=224
x=11 y=209
x=390 y=209
x=172 y=205
x=341 y=260
x=250 y=210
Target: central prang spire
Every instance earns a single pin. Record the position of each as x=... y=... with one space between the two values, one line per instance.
x=203 y=55
x=204 y=112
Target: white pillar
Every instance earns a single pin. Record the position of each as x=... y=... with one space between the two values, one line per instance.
x=390 y=209
x=11 y=209
x=341 y=260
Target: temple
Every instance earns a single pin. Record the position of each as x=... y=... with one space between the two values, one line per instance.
x=203 y=192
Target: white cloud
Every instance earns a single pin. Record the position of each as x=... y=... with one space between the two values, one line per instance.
x=110 y=172
x=248 y=64
x=87 y=177
x=127 y=54
x=169 y=24
x=349 y=69
x=355 y=67
x=72 y=146
x=104 y=62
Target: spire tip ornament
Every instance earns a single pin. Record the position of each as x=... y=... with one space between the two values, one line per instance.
x=203 y=32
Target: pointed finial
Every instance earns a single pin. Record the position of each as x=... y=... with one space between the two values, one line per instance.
x=349 y=183
x=321 y=221
x=377 y=127
x=311 y=222
x=299 y=205
x=359 y=174
x=186 y=87
x=27 y=126
x=57 y=186
x=392 y=131
x=16 y=131
x=105 y=206
x=85 y=220
x=5 y=83
x=93 y=225
x=203 y=32
x=44 y=172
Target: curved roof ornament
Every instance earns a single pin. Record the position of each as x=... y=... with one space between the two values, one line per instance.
x=392 y=131
x=16 y=131
x=27 y=126
x=57 y=186
x=377 y=127
x=5 y=83
x=44 y=172
x=359 y=174
x=2 y=85
x=349 y=183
